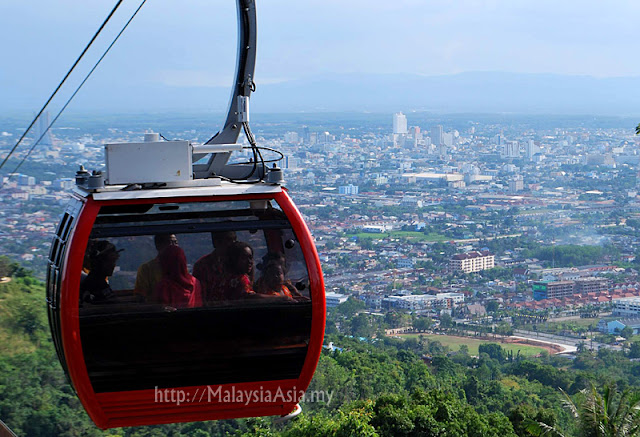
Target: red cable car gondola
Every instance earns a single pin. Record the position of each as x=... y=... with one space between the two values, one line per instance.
x=190 y=295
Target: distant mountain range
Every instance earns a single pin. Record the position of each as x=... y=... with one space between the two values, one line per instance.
x=490 y=92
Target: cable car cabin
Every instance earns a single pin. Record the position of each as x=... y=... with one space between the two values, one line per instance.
x=185 y=304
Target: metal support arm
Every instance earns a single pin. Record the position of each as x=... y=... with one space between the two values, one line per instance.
x=243 y=86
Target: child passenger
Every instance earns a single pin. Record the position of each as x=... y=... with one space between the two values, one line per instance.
x=273 y=282
x=239 y=274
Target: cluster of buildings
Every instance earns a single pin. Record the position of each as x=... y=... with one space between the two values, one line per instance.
x=449 y=186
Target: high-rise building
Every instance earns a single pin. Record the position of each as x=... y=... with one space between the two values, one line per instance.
x=531 y=149
x=306 y=135
x=26 y=181
x=290 y=162
x=400 y=123
x=325 y=137
x=447 y=139
x=42 y=125
x=436 y=135
x=291 y=138
x=516 y=184
x=511 y=149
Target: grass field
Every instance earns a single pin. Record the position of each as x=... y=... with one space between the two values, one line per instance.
x=415 y=236
x=454 y=344
x=576 y=322
x=552 y=326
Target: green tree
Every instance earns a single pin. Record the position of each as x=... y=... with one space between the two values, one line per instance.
x=5 y=266
x=351 y=307
x=361 y=326
x=422 y=323
x=610 y=414
x=627 y=332
x=492 y=306
x=634 y=350
x=494 y=351
x=504 y=329
x=446 y=321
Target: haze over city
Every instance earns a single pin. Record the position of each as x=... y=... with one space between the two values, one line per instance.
x=489 y=56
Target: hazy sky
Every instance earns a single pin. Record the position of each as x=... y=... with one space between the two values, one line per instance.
x=192 y=42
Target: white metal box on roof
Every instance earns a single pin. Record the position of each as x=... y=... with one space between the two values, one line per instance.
x=148 y=162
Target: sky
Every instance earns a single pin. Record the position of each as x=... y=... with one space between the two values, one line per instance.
x=191 y=43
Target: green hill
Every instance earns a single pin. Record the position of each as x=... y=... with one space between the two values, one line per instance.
x=386 y=387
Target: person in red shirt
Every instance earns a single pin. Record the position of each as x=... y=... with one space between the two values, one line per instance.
x=239 y=272
x=177 y=289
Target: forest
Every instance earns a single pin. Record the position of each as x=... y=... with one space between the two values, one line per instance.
x=380 y=386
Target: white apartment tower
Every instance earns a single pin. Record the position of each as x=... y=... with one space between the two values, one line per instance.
x=532 y=149
x=511 y=149
x=400 y=124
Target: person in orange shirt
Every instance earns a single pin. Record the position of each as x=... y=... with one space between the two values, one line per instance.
x=273 y=282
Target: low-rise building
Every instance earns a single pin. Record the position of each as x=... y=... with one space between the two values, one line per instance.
x=552 y=290
x=626 y=307
x=616 y=326
x=423 y=301
x=335 y=299
x=591 y=285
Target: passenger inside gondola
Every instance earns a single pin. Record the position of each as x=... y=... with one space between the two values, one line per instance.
x=270 y=257
x=95 y=288
x=273 y=282
x=177 y=288
x=150 y=273
x=239 y=272
x=210 y=269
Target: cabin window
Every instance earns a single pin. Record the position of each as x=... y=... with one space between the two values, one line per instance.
x=192 y=294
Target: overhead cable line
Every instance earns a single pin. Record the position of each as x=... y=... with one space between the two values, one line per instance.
x=80 y=86
x=95 y=36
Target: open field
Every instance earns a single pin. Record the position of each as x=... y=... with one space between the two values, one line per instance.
x=454 y=344
x=555 y=326
x=577 y=322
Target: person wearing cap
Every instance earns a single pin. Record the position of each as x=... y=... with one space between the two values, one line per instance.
x=95 y=288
